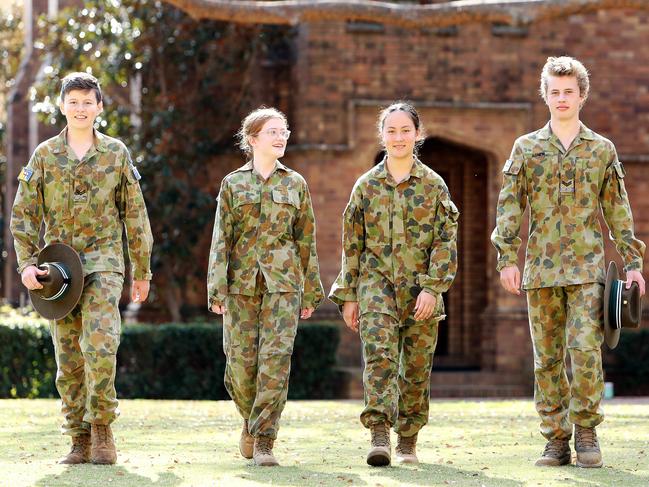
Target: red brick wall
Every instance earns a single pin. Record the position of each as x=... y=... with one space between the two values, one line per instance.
x=475 y=89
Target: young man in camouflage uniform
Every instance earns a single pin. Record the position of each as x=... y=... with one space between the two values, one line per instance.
x=263 y=276
x=399 y=256
x=566 y=173
x=84 y=187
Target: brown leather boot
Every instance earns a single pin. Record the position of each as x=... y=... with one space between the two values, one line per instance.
x=80 y=452
x=246 y=442
x=556 y=453
x=263 y=452
x=406 y=449
x=587 y=448
x=379 y=454
x=102 y=451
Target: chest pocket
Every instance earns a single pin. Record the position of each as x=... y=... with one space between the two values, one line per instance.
x=287 y=197
x=542 y=179
x=245 y=209
x=245 y=199
x=286 y=203
x=587 y=183
x=421 y=221
x=96 y=182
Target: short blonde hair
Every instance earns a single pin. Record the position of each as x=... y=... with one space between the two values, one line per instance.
x=252 y=124
x=565 y=66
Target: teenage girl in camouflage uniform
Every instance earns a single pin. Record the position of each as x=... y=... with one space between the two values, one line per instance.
x=399 y=256
x=263 y=276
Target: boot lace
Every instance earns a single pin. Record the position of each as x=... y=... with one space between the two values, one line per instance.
x=102 y=433
x=265 y=445
x=407 y=444
x=380 y=435
x=586 y=437
x=554 y=448
x=80 y=443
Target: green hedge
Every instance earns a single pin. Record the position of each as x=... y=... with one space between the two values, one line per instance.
x=629 y=367
x=170 y=361
x=27 y=365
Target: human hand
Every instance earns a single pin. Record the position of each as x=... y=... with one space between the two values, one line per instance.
x=29 y=277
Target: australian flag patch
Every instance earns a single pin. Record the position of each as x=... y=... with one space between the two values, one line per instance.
x=26 y=174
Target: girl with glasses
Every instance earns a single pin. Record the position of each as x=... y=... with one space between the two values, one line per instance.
x=263 y=275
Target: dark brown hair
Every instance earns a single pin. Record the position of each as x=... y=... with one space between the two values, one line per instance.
x=408 y=108
x=80 y=81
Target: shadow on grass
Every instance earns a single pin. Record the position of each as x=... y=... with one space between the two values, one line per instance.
x=299 y=475
x=435 y=474
x=422 y=474
x=115 y=476
x=608 y=475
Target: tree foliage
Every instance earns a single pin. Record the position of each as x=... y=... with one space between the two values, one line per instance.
x=11 y=52
x=175 y=91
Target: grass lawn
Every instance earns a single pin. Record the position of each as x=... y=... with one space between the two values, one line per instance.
x=184 y=443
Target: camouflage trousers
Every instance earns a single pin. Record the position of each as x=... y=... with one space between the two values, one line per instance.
x=258 y=336
x=569 y=318
x=85 y=346
x=398 y=360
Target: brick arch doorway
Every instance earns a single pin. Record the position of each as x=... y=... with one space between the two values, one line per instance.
x=464 y=169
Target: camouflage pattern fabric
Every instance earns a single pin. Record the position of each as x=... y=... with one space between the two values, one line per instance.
x=85 y=346
x=398 y=239
x=265 y=225
x=398 y=360
x=567 y=317
x=83 y=204
x=565 y=190
x=258 y=336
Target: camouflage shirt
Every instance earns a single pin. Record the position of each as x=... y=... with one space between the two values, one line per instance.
x=565 y=190
x=83 y=203
x=265 y=225
x=398 y=239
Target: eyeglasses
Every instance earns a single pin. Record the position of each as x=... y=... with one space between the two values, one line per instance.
x=274 y=133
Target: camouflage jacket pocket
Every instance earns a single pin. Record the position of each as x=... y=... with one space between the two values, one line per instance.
x=543 y=180
x=241 y=198
x=286 y=197
x=421 y=219
x=587 y=183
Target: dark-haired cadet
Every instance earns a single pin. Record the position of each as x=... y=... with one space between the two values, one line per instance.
x=83 y=186
x=399 y=255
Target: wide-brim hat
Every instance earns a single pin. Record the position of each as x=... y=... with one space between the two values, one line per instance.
x=622 y=306
x=63 y=284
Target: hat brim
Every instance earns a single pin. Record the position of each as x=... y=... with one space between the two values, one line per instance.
x=611 y=333
x=60 y=308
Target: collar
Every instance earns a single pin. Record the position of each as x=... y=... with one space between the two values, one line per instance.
x=584 y=132
x=60 y=141
x=249 y=167
x=417 y=170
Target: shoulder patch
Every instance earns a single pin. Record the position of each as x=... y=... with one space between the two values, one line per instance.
x=619 y=169
x=26 y=174
x=135 y=172
x=512 y=166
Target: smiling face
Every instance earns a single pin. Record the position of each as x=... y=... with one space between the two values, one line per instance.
x=271 y=140
x=563 y=97
x=81 y=108
x=399 y=135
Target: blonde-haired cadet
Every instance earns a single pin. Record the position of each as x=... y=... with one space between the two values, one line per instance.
x=263 y=275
